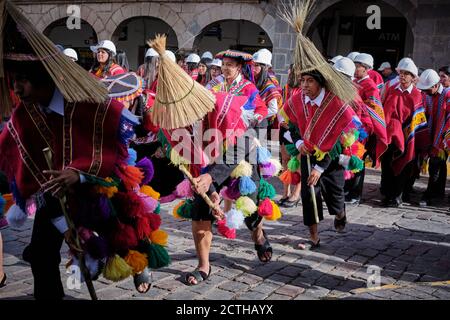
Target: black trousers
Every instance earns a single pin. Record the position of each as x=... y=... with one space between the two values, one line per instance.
x=392 y=186
x=330 y=186
x=43 y=253
x=437 y=169
x=354 y=187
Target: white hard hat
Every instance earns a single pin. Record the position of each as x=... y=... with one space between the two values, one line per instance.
x=216 y=63
x=263 y=56
x=71 y=53
x=105 y=44
x=151 y=53
x=193 y=58
x=407 y=64
x=384 y=65
x=352 y=55
x=364 y=58
x=427 y=79
x=333 y=60
x=207 y=55
x=171 y=55
x=345 y=66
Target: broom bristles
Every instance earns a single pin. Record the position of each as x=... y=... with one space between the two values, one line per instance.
x=307 y=57
x=180 y=100
x=75 y=83
x=6 y=104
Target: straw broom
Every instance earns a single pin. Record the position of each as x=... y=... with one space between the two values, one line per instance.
x=307 y=57
x=5 y=102
x=75 y=83
x=180 y=100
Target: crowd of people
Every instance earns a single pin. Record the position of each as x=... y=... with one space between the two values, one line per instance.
x=397 y=120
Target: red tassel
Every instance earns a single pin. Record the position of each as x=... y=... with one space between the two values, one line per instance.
x=265 y=208
x=143 y=228
x=224 y=230
x=154 y=221
x=130 y=204
x=124 y=237
x=295 y=178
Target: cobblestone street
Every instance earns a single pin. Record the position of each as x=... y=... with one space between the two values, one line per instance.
x=409 y=245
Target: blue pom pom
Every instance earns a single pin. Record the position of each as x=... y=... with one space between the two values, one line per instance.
x=362 y=134
x=263 y=155
x=246 y=185
x=2 y=205
x=132 y=157
x=250 y=104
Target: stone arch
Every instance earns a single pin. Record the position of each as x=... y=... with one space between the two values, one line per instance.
x=227 y=11
x=60 y=12
x=406 y=7
x=151 y=10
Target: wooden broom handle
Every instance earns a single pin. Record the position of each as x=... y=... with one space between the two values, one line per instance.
x=203 y=195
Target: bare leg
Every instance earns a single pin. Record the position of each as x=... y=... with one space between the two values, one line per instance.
x=227 y=205
x=202 y=232
x=258 y=238
x=295 y=195
x=1 y=258
x=313 y=235
x=284 y=161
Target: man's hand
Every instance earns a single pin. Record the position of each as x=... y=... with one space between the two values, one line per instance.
x=202 y=183
x=313 y=177
x=70 y=240
x=215 y=198
x=60 y=180
x=303 y=150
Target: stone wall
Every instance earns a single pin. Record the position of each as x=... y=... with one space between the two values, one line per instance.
x=429 y=20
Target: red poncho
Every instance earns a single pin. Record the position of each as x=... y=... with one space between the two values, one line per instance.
x=320 y=127
x=86 y=141
x=376 y=78
x=437 y=108
x=406 y=125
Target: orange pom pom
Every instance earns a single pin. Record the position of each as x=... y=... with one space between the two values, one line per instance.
x=175 y=209
x=149 y=191
x=136 y=260
x=159 y=237
x=286 y=177
x=131 y=176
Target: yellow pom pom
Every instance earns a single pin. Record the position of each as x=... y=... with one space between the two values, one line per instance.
x=244 y=169
x=159 y=237
x=136 y=260
x=246 y=205
x=319 y=154
x=348 y=138
x=176 y=159
x=117 y=269
x=277 y=165
x=149 y=191
x=107 y=191
x=175 y=209
x=276 y=213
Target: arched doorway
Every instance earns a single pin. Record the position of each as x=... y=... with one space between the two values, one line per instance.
x=342 y=28
x=78 y=39
x=132 y=34
x=240 y=35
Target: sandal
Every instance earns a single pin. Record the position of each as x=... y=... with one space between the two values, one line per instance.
x=282 y=201
x=261 y=249
x=339 y=224
x=3 y=282
x=198 y=275
x=145 y=277
x=309 y=245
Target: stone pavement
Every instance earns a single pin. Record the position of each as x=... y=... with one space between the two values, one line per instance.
x=409 y=247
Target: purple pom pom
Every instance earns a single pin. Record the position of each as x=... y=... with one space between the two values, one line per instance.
x=233 y=190
x=146 y=166
x=104 y=208
x=97 y=247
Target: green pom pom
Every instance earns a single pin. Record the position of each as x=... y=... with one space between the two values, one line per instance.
x=157 y=256
x=336 y=151
x=158 y=209
x=185 y=211
x=292 y=150
x=355 y=164
x=293 y=164
x=266 y=190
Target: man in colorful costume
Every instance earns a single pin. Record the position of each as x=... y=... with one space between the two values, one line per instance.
x=407 y=132
x=113 y=215
x=437 y=107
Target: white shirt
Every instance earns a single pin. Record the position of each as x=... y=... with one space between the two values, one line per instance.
x=409 y=89
x=317 y=101
x=441 y=88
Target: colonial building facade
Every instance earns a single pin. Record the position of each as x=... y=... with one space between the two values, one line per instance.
x=416 y=28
